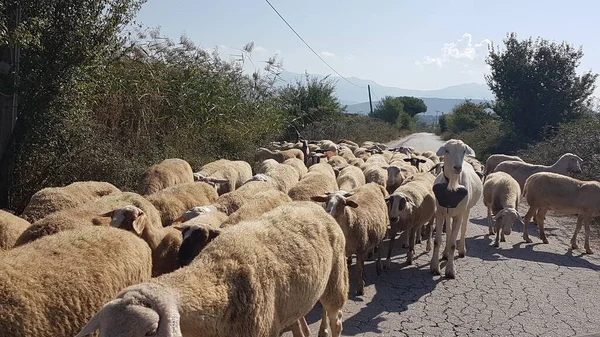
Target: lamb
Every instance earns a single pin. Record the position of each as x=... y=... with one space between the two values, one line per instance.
x=457 y=189
x=51 y=287
x=298 y=165
x=362 y=215
x=225 y=175
x=567 y=163
x=11 y=227
x=169 y=172
x=283 y=177
x=319 y=179
x=546 y=191
x=350 y=178
x=411 y=206
x=248 y=277
x=495 y=159
x=54 y=199
x=163 y=242
x=263 y=154
x=174 y=200
x=501 y=196
x=85 y=215
x=375 y=174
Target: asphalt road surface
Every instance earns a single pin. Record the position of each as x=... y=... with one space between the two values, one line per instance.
x=517 y=289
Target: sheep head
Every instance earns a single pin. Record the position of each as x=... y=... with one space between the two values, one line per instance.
x=214 y=182
x=335 y=202
x=194 y=212
x=195 y=238
x=505 y=219
x=399 y=206
x=258 y=177
x=570 y=162
x=144 y=309
x=454 y=152
x=129 y=218
x=415 y=161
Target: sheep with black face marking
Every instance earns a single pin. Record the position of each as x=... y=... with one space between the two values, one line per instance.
x=225 y=175
x=174 y=200
x=362 y=215
x=11 y=227
x=169 y=172
x=51 y=287
x=501 y=196
x=248 y=276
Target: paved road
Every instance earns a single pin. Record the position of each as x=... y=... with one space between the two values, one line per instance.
x=517 y=289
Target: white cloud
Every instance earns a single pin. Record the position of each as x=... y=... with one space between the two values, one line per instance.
x=328 y=54
x=462 y=50
x=349 y=57
x=260 y=49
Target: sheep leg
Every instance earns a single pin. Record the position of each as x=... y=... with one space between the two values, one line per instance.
x=462 y=248
x=296 y=328
x=360 y=266
x=528 y=217
x=418 y=235
x=388 y=261
x=404 y=239
x=587 y=221
x=457 y=221
x=574 y=244
x=541 y=214
x=434 y=266
x=447 y=246
x=502 y=238
x=411 y=249
x=490 y=222
x=304 y=326
x=429 y=235
x=333 y=299
x=378 y=264
x=496 y=242
x=349 y=260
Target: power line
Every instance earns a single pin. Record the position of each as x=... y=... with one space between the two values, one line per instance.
x=306 y=43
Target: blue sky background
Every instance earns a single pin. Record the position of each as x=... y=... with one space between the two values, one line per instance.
x=409 y=44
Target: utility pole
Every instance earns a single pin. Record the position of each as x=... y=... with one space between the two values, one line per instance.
x=9 y=65
x=370 y=101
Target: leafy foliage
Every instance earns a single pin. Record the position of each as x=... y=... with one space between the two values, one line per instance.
x=467 y=116
x=413 y=105
x=536 y=84
x=391 y=110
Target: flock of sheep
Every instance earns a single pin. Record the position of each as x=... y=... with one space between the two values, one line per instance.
x=230 y=250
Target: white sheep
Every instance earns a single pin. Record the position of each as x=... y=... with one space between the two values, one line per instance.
x=263 y=154
x=297 y=164
x=283 y=177
x=495 y=159
x=174 y=200
x=208 y=215
x=546 y=191
x=350 y=178
x=458 y=189
x=319 y=179
x=567 y=163
x=375 y=173
x=169 y=172
x=225 y=175
x=501 y=196
x=246 y=282
x=362 y=215
x=52 y=286
x=11 y=227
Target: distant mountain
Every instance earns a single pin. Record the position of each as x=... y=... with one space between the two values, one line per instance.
x=443 y=105
x=347 y=92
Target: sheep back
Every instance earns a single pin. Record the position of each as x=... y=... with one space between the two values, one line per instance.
x=500 y=191
x=11 y=227
x=173 y=201
x=169 y=172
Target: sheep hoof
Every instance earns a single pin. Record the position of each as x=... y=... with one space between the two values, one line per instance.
x=491 y=232
x=589 y=251
x=527 y=240
x=444 y=256
x=379 y=267
x=544 y=240
x=435 y=270
x=450 y=274
x=360 y=292
x=462 y=254
x=503 y=240
x=323 y=333
x=496 y=244
x=387 y=265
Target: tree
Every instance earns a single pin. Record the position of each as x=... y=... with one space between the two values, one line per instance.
x=467 y=116
x=413 y=105
x=536 y=84
x=388 y=109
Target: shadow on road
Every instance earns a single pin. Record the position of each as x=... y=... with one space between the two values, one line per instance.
x=524 y=251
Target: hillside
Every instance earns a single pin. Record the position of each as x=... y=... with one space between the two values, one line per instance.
x=443 y=105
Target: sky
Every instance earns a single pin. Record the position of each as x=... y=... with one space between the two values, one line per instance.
x=421 y=44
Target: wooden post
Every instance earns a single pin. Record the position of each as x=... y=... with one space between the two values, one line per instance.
x=370 y=102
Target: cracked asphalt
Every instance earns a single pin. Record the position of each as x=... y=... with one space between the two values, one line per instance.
x=517 y=289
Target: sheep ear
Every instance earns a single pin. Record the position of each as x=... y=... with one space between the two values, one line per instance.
x=406 y=159
x=351 y=203
x=441 y=151
x=138 y=226
x=91 y=326
x=470 y=152
x=422 y=161
x=320 y=198
x=108 y=214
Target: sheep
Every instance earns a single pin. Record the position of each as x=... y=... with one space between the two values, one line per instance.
x=169 y=172
x=346 y=152
x=54 y=199
x=337 y=162
x=258 y=205
x=362 y=153
x=375 y=174
x=85 y=215
x=495 y=159
x=350 y=177
x=421 y=163
x=298 y=165
x=356 y=162
x=412 y=205
x=349 y=144
x=395 y=176
x=567 y=163
x=377 y=159
x=319 y=179
x=431 y=155
x=477 y=166
x=457 y=189
x=362 y=215
x=225 y=175
x=51 y=287
x=231 y=202
x=546 y=191
x=174 y=200
x=328 y=145
x=263 y=154
x=208 y=215
x=163 y=242
x=246 y=282
x=501 y=196
x=283 y=177
x=11 y=227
